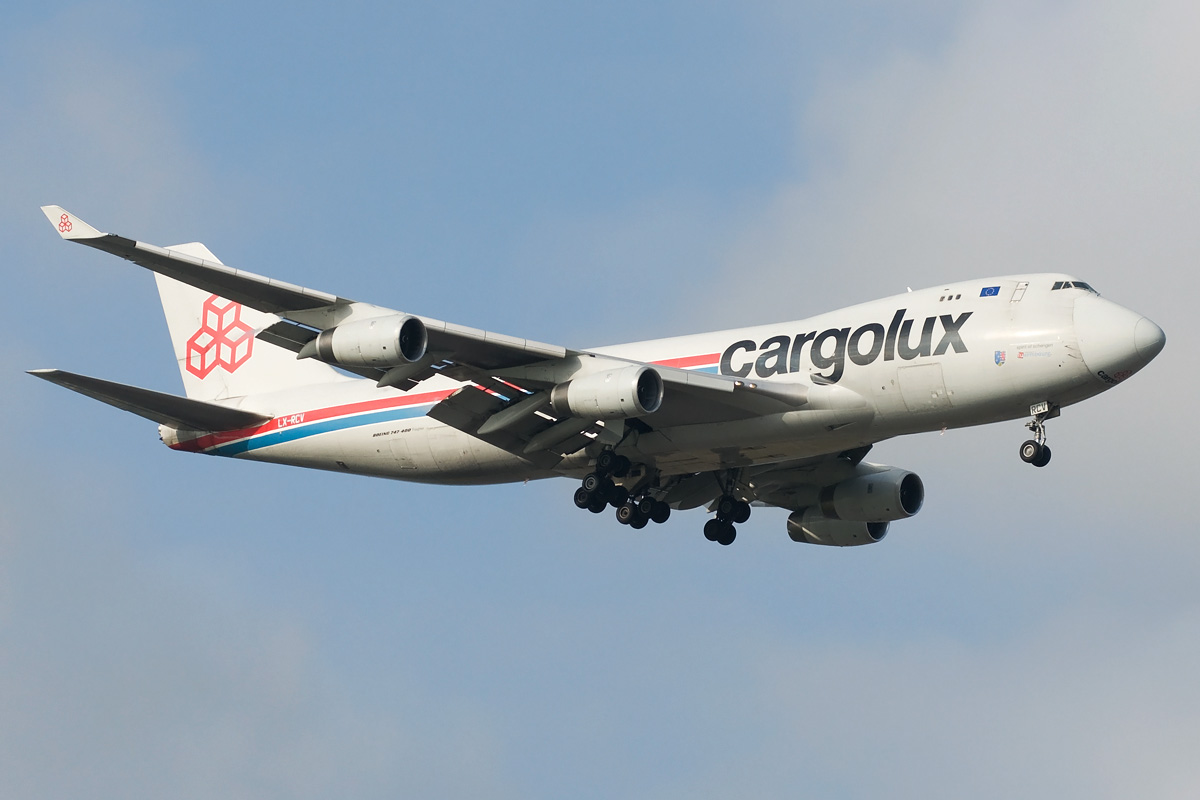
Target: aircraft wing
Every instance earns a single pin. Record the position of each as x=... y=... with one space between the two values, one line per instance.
x=506 y=371
x=305 y=312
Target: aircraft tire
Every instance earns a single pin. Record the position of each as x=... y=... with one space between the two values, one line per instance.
x=621 y=466
x=728 y=534
x=660 y=513
x=726 y=506
x=583 y=498
x=627 y=513
x=741 y=512
x=637 y=523
x=605 y=462
x=712 y=529
x=591 y=482
x=1043 y=457
x=598 y=505
x=1030 y=451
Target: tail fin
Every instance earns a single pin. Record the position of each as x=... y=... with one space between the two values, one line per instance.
x=213 y=337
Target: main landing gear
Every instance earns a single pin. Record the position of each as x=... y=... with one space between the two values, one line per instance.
x=599 y=490
x=729 y=510
x=637 y=507
x=1035 y=451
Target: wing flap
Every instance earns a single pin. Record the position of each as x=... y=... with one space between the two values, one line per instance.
x=538 y=437
x=160 y=407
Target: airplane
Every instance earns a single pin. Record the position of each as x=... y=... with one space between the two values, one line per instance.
x=773 y=415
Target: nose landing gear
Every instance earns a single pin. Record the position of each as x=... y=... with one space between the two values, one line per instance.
x=1035 y=451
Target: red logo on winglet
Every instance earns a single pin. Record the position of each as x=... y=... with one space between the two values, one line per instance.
x=223 y=339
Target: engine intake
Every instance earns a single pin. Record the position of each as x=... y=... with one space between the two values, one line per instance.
x=380 y=342
x=632 y=391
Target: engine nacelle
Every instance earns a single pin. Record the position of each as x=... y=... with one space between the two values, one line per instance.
x=632 y=391
x=380 y=342
x=883 y=496
x=810 y=526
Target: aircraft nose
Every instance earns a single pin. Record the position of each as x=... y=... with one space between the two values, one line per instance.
x=1114 y=341
x=1148 y=338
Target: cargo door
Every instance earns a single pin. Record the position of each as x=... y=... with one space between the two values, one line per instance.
x=923 y=388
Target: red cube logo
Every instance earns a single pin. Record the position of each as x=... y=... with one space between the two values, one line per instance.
x=223 y=339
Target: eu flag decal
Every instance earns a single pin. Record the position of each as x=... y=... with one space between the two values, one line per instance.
x=989 y=291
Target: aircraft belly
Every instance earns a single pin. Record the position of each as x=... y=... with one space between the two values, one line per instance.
x=761 y=440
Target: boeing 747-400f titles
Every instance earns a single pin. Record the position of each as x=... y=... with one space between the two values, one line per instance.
x=777 y=415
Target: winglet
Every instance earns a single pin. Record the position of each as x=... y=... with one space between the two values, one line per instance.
x=69 y=226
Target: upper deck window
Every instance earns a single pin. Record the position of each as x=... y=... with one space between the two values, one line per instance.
x=1073 y=285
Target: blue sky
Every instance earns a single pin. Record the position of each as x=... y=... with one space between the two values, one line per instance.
x=186 y=626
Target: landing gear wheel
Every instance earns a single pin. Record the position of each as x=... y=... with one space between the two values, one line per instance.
x=583 y=498
x=627 y=513
x=1043 y=457
x=621 y=466
x=616 y=496
x=712 y=529
x=637 y=523
x=605 y=462
x=591 y=482
x=741 y=512
x=660 y=513
x=645 y=506
x=728 y=534
x=726 y=506
x=1030 y=451
x=598 y=505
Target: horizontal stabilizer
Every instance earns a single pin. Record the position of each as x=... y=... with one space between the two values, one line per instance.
x=163 y=408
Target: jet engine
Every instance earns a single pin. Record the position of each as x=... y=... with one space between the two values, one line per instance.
x=632 y=391
x=883 y=496
x=381 y=342
x=811 y=527
x=857 y=510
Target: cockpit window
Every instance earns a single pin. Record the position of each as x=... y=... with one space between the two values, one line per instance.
x=1073 y=285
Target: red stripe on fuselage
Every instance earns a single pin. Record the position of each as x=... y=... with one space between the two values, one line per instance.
x=303 y=417
x=690 y=361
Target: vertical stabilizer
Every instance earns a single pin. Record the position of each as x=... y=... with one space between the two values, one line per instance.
x=214 y=343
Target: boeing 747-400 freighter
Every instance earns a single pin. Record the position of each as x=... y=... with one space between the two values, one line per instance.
x=777 y=415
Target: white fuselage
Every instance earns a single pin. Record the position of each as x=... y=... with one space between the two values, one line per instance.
x=959 y=355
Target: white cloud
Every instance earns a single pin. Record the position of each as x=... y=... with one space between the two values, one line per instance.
x=1043 y=136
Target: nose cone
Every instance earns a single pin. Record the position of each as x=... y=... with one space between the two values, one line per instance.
x=1114 y=341
x=1148 y=338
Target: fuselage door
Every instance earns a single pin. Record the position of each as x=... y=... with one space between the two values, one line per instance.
x=923 y=388
x=1019 y=292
